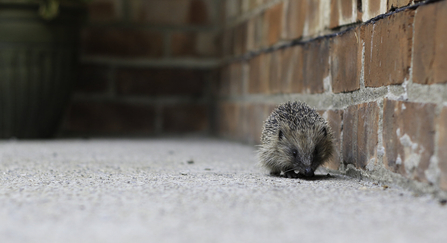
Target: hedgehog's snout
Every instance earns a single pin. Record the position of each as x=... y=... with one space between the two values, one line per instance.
x=309 y=172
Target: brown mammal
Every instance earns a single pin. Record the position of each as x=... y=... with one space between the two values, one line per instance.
x=295 y=138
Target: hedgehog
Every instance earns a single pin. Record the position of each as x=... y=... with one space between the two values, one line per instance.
x=295 y=138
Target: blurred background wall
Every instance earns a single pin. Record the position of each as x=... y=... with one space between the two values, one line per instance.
x=147 y=68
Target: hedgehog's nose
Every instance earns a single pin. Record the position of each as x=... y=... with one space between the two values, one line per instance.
x=308 y=172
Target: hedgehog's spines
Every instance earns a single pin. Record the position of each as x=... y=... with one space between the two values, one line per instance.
x=300 y=124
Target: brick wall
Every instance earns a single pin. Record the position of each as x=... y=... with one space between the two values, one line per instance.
x=375 y=69
x=146 y=68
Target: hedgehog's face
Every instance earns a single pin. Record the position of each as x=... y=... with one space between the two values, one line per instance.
x=305 y=150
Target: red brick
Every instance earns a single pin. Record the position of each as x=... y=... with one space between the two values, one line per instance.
x=346 y=61
x=115 y=42
x=343 y=12
x=273 y=23
x=240 y=39
x=208 y=44
x=393 y=4
x=442 y=145
x=335 y=121
x=228 y=42
x=295 y=18
x=199 y=11
x=259 y=74
x=183 y=44
x=110 y=118
x=230 y=120
x=360 y=139
x=372 y=8
x=93 y=79
x=236 y=76
x=193 y=44
x=172 y=12
x=313 y=17
x=288 y=60
x=185 y=118
x=297 y=83
x=335 y=16
x=255 y=120
x=259 y=31
x=223 y=87
x=232 y=8
x=164 y=81
x=275 y=72
x=254 y=80
x=315 y=54
x=388 y=49
x=264 y=85
x=430 y=48
x=105 y=10
x=408 y=137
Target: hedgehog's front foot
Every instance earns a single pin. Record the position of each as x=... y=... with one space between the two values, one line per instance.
x=291 y=174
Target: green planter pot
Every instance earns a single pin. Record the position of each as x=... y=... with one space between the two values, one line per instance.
x=38 y=61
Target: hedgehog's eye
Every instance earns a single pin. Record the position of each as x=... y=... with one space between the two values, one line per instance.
x=294 y=153
x=280 y=135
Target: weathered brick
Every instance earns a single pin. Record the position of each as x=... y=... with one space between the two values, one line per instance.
x=105 y=10
x=360 y=139
x=232 y=8
x=373 y=8
x=223 y=86
x=442 y=144
x=297 y=62
x=185 y=118
x=273 y=23
x=264 y=85
x=117 y=42
x=287 y=66
x=240 y=39
x=193 y=44
x=335 y=121
x=259 y=74
x=110 y=118
x=313 y=17
x=315 y=54
x=430 y=49
x=256 y=117
x=93 y=79
x=275 y=72
x=388 y=49
x=173 y=12
x=183 y=44
x=254 y=80
x=350 y=122
x=346 y=61
x=408 y=137
x=228 y=42
x=393 y=4
x=295 y=18
x=164 y=81
x=335 y=15
x=236 y=76
x=343 y=12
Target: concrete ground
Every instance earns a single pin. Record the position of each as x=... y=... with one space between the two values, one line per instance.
x=193 y=190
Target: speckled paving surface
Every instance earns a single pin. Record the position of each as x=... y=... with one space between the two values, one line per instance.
x=192 y=190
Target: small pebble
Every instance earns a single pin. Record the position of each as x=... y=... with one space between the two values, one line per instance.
x=207 y=169
x=190 y=161
x=443 y=202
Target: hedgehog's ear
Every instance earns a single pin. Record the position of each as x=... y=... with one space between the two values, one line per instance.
x=280 y=135
x=324 y=131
